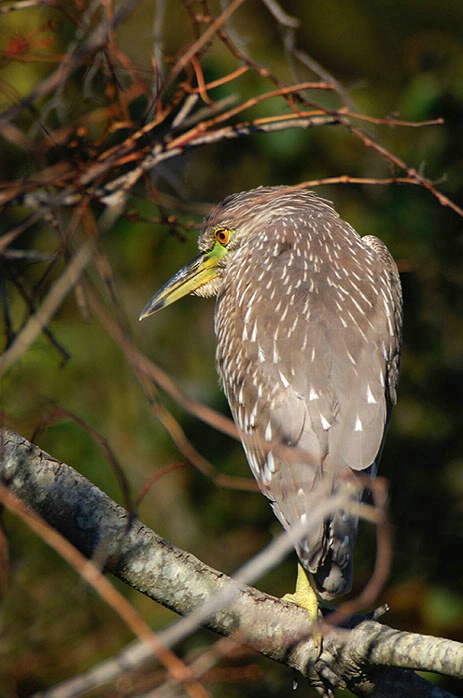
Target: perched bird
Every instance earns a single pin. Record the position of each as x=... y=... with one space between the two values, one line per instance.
x=308 y=323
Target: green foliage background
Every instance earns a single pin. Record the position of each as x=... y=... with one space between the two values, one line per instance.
x=393 y=57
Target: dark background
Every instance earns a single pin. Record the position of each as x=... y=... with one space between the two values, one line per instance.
x=393 y=58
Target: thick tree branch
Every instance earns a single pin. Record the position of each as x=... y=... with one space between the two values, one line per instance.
x=372 y=659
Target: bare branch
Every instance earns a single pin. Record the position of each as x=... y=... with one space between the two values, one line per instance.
x=95 y=42
x=371 y=658
x=36 y=322
x=68 y=175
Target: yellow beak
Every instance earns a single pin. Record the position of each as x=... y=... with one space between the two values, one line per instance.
x=196 y=273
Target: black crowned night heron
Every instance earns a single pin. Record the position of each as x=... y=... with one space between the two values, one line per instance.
x=308 y=324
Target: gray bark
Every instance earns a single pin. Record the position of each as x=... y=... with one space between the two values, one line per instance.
x=372 y=659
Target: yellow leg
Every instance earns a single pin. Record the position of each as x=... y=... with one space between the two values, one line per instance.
x=306 y=597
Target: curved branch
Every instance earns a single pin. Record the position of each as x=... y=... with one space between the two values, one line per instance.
x=371 y=658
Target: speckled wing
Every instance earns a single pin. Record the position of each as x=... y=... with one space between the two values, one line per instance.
x=308 y=324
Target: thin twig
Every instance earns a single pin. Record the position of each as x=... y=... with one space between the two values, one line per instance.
x=36 y=323
x=93 y=576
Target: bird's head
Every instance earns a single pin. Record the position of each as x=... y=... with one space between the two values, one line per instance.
x=224 y=231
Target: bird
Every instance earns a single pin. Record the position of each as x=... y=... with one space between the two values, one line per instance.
x=308 y=324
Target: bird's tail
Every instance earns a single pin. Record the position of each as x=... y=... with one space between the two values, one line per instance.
x=333 y=574
x=328 y=553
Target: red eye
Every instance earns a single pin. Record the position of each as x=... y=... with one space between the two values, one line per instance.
x=222 y=235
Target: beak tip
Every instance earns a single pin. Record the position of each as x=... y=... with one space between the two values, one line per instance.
x=144 y=314
x=150 y=309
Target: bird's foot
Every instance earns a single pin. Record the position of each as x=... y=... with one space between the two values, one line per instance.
x=306 y=597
